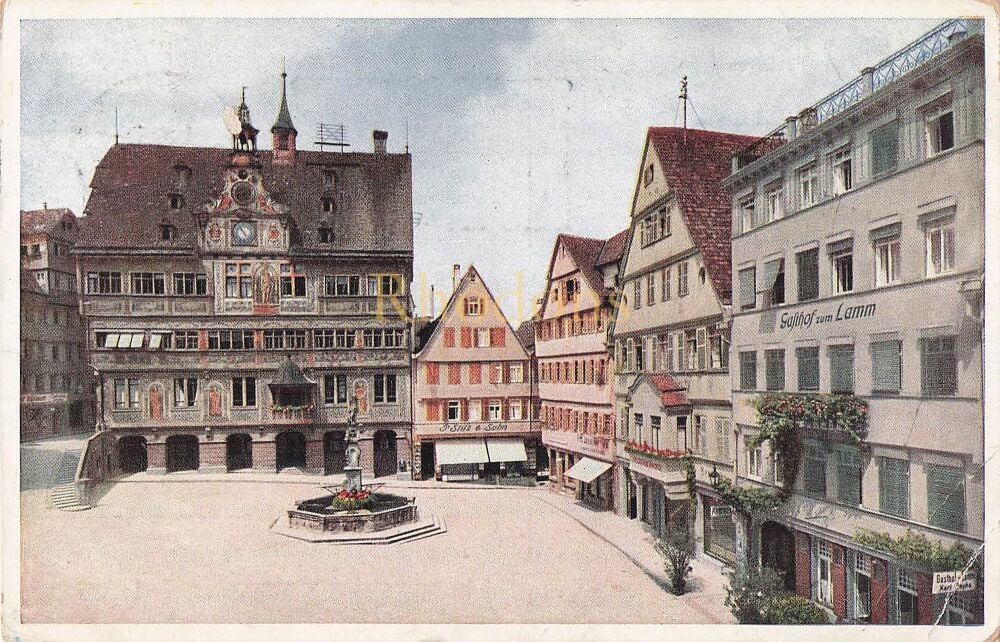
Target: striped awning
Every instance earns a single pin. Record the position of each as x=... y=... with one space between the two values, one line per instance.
x=511 y=449
x=460 y=451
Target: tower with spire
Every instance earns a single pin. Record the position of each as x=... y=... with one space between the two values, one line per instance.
x=283 y=132
x=247 y=139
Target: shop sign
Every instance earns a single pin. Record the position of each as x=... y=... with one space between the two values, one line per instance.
x=473 y=426
x=795 y=320
x=720 y=510
x=950 y=581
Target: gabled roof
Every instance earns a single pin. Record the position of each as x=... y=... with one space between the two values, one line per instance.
x=526 y=334
x=671 y=392
x=423 y=329
x=132 y=184
x=613 y=248
x=588 y=254
x=47 y=221
x=694 y=163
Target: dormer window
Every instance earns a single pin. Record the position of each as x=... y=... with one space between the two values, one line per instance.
x=168 y=232
x=325 y=234
x=329 y=206
x=176 y=201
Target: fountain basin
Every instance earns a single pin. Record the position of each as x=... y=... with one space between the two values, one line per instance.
x=387 y=511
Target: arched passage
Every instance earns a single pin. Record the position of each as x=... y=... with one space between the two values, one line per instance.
x=334 y=448
x=239 y=452
x=290 y=450
x=182 y=453
x=132 y=454
x=777 y=551
x=385 y=453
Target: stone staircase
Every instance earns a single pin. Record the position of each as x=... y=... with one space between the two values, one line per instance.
x=63 y=494
x=426 y=527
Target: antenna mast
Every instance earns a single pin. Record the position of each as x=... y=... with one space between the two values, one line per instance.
x=333 y=135
x=684 y=97
x=116 y=125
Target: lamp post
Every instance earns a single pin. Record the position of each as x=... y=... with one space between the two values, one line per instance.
x=714 y=476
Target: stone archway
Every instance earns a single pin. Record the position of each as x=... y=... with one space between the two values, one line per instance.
x=132 y=456
x=290 y=450
x=777 y=551
x=385 y=453
x=182 y=453
x=239 y=452
x=334 y=452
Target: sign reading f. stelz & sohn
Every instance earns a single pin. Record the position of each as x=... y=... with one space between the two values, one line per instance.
x=843 y=312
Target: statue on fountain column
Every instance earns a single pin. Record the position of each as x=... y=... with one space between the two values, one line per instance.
x=352 y=471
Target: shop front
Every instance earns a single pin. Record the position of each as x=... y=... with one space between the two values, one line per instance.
x=595 y=482
x=471 y=452
x=581 y=466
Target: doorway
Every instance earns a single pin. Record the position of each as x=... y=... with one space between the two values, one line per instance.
x=385 y=453
x=426 y=460
x=334 y=452
x=239 y=452
x=182 y=453
x=132 y=454
x=290 y=450
x=777 y=551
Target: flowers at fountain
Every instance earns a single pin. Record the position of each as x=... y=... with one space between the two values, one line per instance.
x=352 y=500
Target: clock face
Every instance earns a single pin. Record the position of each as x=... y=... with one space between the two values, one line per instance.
x=243 y=193
x=244 y=233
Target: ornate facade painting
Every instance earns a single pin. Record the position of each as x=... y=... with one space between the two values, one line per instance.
x=265 y=285
x=155 y=402
x=215 y=400
x=361 y=394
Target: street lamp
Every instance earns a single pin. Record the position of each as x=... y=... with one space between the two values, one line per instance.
x=714 y=476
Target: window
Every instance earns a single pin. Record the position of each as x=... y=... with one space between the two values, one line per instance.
x=647 y=175
x=753 y=458
x=190 y=283
x=774 y=283
x=945 y=497
x=168 y=232
x=843 y=178
x=293 y=284
x=748 y=288
x=862 y=587
x=722 y=439
x=515 y=409
x=887 y=262
x=385 y=388
x=808 y=366
x=239 y=281
x=126 y=394
x=719 y=343
x=849 y=476
x=157 y=341
x=244 y=392
x=938 y=370
x=637 y=294
x=185 y=392
x=746 y=209
x=823 y=577
x=894 y=486
x=808 y=270
x=342 y=285
x=328 y=205
x=939 y=127
x=120 y=339
x=843 y=270
x=885 y=148
x=495 y=410
x=682 y=278
x=284 y=339
x=335 y=389
x=329 y=178
x=906 y=598
x=665 y=284
x=841 y=369
x=185 y=340
x=651 y=288
x=473 y=306
x=104 y=282
x=814 y=470
x=748 y=370
x=325 y=234
x=808 y=186
x=886 y=366
x=774 y=369
x=482 y=337
x=637 y=422
x=940 y=246
x=176 y=203
x=516 y=373
x=774 y=203
x=230 y=340
x=700 y=434
x=389 y=284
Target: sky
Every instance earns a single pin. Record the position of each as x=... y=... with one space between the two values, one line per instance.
x=519 y=129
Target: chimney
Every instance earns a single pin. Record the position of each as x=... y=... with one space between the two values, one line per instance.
x=378 y=138
x=432 y=301
x=455 y=270
x=791 y=128
x=45 y=205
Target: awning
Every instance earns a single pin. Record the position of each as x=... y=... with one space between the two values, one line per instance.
x=506 y=450
x=587 y=470
x=460 y=451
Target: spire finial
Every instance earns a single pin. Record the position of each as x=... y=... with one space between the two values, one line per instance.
x=284 y=120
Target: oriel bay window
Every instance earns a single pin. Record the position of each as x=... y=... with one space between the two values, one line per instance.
x=335 y=389
x=239 y=280
x=244 y=392
x=293 y=283
x=230 y=340
x=185 y=392
x=147 y=283
x=126 y=394
x=385 y=388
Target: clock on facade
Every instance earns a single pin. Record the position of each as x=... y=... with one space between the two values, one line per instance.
x=243 y=193
x=244 y=233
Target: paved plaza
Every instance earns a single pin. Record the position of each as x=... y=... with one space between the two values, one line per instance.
x=202 y=552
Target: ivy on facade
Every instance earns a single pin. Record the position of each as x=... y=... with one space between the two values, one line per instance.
x=916 y=549
x=748 y=499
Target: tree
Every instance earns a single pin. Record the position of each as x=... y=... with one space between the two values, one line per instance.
x=677 y=549
x=750 y=592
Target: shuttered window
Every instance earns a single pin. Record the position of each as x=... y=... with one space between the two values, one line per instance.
x=748 y=370
x=748 y=288
x=702 y=347
x=849 y=476
x=938 y=376
x=886 y=366
x=841 y=369
x=945 y=497
x=774 y=369
x=814 y=470
x=894 y=486
x=808 y=272
x=808 y=365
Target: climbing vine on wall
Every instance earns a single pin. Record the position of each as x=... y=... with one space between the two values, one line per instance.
x=916 y=549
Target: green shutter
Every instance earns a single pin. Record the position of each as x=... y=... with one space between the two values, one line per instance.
x=945 y=497
x=886 y=365
x=841 y=369
x=849 y=477
x=894 y=486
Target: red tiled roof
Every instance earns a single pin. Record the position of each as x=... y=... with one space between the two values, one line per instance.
x=613 y=248
x=46 y=221
x=132 y=184
x=526 y=334
x=671 y=392
x=694 y=169
x=585 y=251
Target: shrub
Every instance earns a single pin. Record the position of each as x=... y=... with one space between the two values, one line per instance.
x=751 y=592
x=793 y=609
x=677 y=551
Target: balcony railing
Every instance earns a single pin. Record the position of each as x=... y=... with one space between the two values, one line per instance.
x=293 y=414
